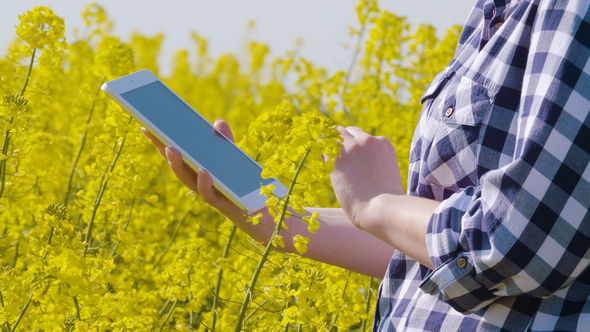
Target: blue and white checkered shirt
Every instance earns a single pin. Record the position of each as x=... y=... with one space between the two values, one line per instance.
x=503 y=142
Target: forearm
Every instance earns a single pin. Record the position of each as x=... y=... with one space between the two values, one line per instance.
x=402 y=222
x=340 y=243
x=337 y=242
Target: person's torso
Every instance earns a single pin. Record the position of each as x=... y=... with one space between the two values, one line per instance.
x=467 y=127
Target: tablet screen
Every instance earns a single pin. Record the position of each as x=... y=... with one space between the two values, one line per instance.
x=196 y=136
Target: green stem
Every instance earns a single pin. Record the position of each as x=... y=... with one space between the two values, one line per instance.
x=16 y=253
x=287 y=325
x=368 y=307
x=22 y=91
x=168 y=316
x=343 y=294
x=48 y=241
x=219 y=277
x=101 y=191
x=69 y=187
x=2 y=303
x=22 y=313
x=256 y=309
x=7 y=133
x=191 y=318
x=161 y=311
x=264 y=257
x=351 y=66
x=357 y=51
x=77 y=308
x=114 y=250
x=3 y=162
x=172 y=238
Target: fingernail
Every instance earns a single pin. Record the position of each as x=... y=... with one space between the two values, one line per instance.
x=169 y=154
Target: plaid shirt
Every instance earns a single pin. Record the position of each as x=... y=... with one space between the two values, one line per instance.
x=503 y=142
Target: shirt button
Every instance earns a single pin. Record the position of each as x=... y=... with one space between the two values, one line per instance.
x=461 y=263
x=498 y=24
x=449 y=112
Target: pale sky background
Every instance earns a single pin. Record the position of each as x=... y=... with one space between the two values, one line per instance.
x=321 y=24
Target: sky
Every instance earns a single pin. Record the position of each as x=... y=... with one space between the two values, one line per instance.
x=323 y=25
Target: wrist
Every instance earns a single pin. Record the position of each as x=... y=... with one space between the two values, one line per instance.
x=402 y=222
x=372 y=217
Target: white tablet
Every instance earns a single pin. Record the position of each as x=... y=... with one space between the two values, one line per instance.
x=177 y=124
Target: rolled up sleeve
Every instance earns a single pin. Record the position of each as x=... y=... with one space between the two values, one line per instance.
x=525 y=229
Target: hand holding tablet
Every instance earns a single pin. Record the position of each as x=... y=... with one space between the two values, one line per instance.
x=172 y=121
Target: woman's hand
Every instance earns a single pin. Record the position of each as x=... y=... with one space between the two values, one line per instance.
x=368 y=185
x=366 y=169
x=337 y=241
x=200 y=182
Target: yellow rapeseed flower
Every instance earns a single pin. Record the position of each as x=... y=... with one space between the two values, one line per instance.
x=40 y=28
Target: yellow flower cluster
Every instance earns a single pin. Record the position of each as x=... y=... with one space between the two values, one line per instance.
x=96 y=234
x=294 y=148
x=41 y=28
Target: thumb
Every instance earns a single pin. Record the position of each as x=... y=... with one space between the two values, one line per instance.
x=223 y=128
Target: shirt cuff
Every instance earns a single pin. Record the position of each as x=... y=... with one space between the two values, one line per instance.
x=454 y=274
x=455 y=282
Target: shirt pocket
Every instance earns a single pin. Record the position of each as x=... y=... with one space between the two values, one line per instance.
x=433 y=89
x=465 y=104
x=451 y=138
